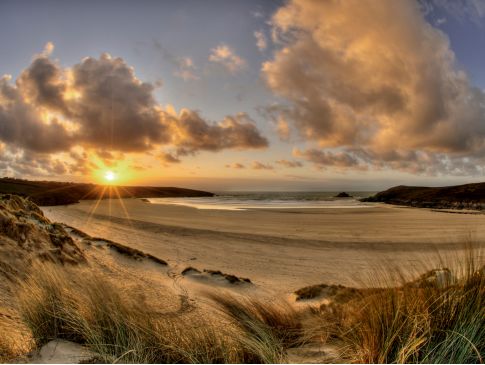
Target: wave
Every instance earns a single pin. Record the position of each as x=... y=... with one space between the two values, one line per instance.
x=269 y=200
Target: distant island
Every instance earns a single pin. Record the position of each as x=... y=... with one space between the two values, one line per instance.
x=61 y=193
x=468 y=196
x=343 y=194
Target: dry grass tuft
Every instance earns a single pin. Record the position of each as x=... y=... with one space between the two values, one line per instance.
x=432 y=323
x=91 y=311
x=14 y=344
x=277 y=321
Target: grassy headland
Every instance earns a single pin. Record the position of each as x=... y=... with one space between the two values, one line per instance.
x=62 y=193
x=468 y=196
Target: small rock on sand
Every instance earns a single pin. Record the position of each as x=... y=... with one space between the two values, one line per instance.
x=63 y=352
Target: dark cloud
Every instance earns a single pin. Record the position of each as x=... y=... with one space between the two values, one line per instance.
x=192 y=133
x=168 y=157
x=22 y=126
x=43 y=85
x=256 y=165
x=236 y=165
x=289 y=164
x=327 y=158
x=114 y=109
x=99 y=104
x=23 y=163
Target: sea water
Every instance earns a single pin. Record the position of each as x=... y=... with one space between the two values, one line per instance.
x=270 y=200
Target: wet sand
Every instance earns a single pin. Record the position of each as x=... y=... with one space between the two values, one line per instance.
x=281 y=250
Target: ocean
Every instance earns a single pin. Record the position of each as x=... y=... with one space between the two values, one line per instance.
x=270 y=200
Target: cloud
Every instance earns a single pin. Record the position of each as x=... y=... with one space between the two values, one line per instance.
x=186 y=69
x=235 y=165
x=113 y=108
x=48 y=49
x=21 y=124
x=100 y=105
x=373 y=77
x=440 y=21
x=225 y=56
x=289 y=164
x=20 y=163
x=326 y=158
x=256 y=165
x=184 y=66
x=168 y=158
x=191 y=133
x=261 y=41
x=42 y=84
x=461 y=10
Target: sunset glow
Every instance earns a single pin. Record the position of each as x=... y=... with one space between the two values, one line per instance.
x=110 y=176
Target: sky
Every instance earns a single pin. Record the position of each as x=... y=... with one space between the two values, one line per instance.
x=244 y=95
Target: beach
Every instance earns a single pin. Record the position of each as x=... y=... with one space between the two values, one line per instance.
x=281 y=250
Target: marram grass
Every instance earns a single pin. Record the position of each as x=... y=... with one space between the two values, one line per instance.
x=91 y=311
x=418 y=322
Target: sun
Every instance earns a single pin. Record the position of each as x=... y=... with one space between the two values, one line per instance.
x=109 y=176
x=113 y=172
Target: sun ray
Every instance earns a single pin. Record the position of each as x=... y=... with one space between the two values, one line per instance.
x=123 y=207
x=95 y=205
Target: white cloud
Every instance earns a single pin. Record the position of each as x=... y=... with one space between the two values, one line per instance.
x=372 y=83
x=261 y=41
x=226 y=56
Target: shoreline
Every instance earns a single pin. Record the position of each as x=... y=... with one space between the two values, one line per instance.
x=283 y=250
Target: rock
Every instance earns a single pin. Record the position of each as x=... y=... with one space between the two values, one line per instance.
x=64 y=352
x=343 y=194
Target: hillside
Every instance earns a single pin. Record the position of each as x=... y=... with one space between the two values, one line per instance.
x=61 y=193
x=468 y=196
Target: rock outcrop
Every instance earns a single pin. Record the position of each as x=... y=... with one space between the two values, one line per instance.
x=343 y=194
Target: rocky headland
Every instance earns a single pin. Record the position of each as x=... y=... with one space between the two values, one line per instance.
x=468 y=196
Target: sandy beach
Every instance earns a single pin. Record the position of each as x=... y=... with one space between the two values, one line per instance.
x=280 y=250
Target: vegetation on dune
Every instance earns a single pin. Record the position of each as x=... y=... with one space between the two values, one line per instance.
x=468 y=196
x=426 y=322
x=61 y=193
x=275 y=321
x=91 y=311
x=437 y=318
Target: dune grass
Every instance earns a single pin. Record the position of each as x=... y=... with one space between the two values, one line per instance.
x=14 y=343
x=426 y=322
x=7 y=348
x=272 y=326
x=276 y=320
x=423 y=321
x=91 y=311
